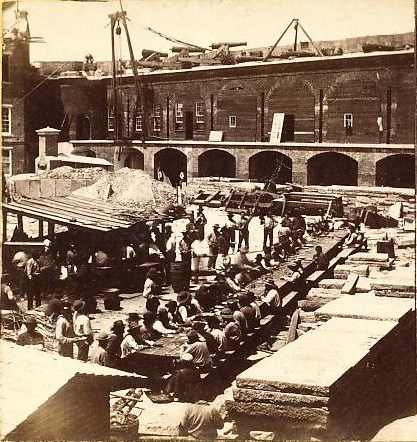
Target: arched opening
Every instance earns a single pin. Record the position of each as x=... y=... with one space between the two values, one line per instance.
x=134 y=160
x=268 y=165
x=170 y=162
x=396 y=171
x=328 y=168
x=217 y=162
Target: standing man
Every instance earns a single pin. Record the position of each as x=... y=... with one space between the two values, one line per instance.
x=64 y=332
x=33 y=281
x=243 y=229
x=269 y=225
x=230 y=227
x=200 y=222
x=82 y=329
x=213 y=246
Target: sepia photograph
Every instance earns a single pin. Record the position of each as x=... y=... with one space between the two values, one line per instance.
x=208 y=220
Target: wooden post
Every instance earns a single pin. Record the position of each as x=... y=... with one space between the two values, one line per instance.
x=51 y=230
x=40 y=229
x=20 y=222
x=4 y=226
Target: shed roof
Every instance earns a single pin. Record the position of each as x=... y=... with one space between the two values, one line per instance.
x=29 y=377
x=78 y=212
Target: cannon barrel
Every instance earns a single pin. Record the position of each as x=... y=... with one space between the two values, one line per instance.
x=228 y=43
x=185 y=48
x=147 y=52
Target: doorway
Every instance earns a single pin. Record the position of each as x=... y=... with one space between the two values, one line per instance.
x=189 y=123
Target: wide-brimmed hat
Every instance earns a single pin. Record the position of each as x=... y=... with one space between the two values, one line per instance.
x=244 y=249
x=102 y=336
x=47 y=242
x=216 y=226
x=118 y=325
x=133 y=325
x=133 y=317
x=30 y=320
x=183 y=297
x=226 y=313
x=78 y=305
x=198 y=326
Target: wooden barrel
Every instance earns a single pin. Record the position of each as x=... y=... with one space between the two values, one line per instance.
x=125 y=432
x=111 y=299
x=180 y=276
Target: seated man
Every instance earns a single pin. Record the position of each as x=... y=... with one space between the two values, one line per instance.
x=31 y=337
x=7 y=301
x=200 y=421
x=184 y=380
x=242 y=263
x=320 y=259
x=199 y=351
x=271 y=300
x=147 y=330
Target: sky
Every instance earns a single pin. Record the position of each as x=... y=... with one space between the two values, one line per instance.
x=72 y=29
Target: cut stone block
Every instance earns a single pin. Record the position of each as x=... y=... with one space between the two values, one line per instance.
x=310 y=305
x=390 y=285
x=332 y=283
x=316 y=415
x=369 y=257
x=405 y=240
x=316 y=361
x=321 y=293
x=350 y=284
x=366 y=306
x=343 y=270
x=273 y=397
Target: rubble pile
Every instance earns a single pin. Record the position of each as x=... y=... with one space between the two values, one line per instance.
x=130 y=188
x=89 y=173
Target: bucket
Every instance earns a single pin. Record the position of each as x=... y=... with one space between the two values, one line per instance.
x=180 y=276
x=125 y=432
x=111 y=299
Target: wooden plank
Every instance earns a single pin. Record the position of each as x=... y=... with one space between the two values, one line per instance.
x=316 y=276
x=292 y=331
x=288 y=298
x=49 y=207
x=88 y=211
x=36 y=214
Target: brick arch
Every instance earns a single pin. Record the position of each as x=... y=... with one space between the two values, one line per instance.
x=171 y=162
x=296 y=98
x=217 y=162
x=133 y=158
x=360 y=94
x=270 y=164
x=332 y=168
x=241 y=100
x=396 y=171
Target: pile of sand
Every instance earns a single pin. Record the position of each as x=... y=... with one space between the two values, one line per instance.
x=131 y=188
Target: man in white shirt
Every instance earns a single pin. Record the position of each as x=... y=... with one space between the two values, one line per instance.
x=82 y=328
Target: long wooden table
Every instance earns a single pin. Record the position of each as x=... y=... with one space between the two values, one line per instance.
x=160 y=360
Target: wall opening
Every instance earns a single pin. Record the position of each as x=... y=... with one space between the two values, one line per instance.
x=82 y=127
x=135 y=160
x=269 y=165
x=170 y=163
x=217 y=162
x=396 y=171
x=330 y=168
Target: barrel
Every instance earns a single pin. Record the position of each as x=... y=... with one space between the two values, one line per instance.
x=180 y=276
x=111 y=299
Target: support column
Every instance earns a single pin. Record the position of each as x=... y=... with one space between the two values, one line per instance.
x=299 y=168
x=40 y=228
x=20 y=223
x=51 y=230
x=242 y=162
x=367 y=169
x=4 y=226
x=148 y=160
x=192 y=163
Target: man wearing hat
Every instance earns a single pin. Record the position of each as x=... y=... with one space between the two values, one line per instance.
x=187 y=307
x=271 y=300
x=31 y=337
x=296 y=269
x=232 y=331
x=212 y=240
x=114 y=344
x=152 y=286
x=99 y=355
x=64 y=332
x=246 y=268
x=199 y=351
x=242 y=226
x=82 y=328
x=200 y=222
